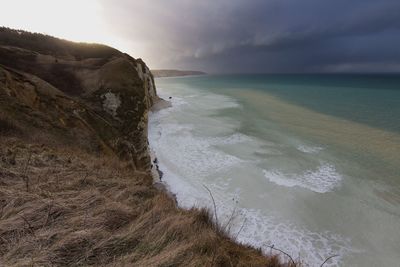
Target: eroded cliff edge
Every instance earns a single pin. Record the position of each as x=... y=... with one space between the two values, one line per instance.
x=68 y=113
x=91 y=94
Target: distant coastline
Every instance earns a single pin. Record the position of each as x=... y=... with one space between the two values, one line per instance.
x=175 y=73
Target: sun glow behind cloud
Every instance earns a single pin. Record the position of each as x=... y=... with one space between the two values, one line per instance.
x=76 y=20
x=226 y=35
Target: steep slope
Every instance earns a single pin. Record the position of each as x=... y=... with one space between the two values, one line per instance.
x=103 y=94
x=75 y=181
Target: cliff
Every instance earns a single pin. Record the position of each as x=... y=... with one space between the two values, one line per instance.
x=90 y=93
x=75 y=181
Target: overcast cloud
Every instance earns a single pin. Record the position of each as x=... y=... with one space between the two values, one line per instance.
x=228 y=35
x=262 y=35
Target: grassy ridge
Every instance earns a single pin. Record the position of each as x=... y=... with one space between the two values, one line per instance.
x=75 y=182
x=49 y=45
x=60 y=206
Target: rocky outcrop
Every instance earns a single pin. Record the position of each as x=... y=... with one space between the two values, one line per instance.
x=91 y=94
x=63 y=200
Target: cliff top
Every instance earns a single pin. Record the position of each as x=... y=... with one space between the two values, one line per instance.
x=75 y=181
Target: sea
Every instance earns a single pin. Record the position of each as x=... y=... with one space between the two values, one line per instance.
x=308 y=164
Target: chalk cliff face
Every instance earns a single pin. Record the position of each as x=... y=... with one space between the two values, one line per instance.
x=66 y=111
x=91 y=94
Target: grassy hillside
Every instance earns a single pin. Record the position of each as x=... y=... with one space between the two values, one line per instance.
x=61 y=206
x=49 y=45
x=75 y=172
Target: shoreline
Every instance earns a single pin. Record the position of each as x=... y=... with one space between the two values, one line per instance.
x=182 y=159
x=156 y=173
x=75 y=164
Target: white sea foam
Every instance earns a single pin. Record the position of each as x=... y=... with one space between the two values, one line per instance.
x=252 y=227
x=324 y=179
x=233 y=139
x=188 y=161
x=265 y=231
x=309 y=149
x=194 y=156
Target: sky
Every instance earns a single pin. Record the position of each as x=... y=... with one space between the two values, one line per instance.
x=227 y=36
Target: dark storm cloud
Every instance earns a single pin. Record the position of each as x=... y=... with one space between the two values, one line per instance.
x=263 y=36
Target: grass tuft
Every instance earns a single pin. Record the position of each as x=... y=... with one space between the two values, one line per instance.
x=83 y=210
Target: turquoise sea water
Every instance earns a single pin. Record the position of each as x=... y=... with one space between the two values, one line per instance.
x=373 y=99
x=307 y=163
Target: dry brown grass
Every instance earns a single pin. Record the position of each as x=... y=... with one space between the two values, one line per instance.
x=83 y=210
x=7 y=126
